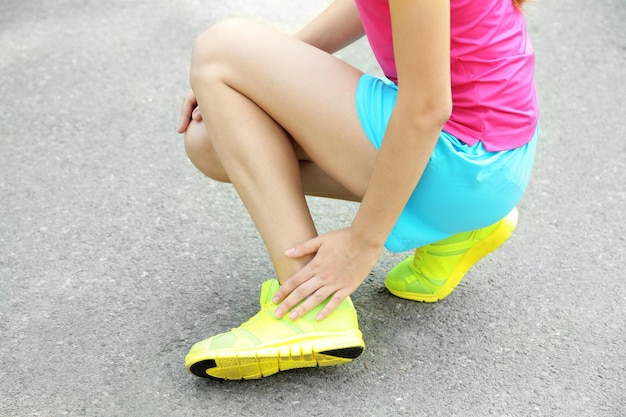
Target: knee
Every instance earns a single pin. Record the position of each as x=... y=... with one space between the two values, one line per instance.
x=201 y=152
x=212 y=53
x=219 y=38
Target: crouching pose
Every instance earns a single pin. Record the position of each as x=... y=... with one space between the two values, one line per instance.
x=438 y=153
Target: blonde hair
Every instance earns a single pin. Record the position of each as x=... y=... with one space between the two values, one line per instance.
x=518 y=3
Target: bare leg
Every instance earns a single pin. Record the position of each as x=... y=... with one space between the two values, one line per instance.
x=315 y=182
x=259 y=89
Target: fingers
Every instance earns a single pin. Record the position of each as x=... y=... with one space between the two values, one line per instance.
x=333 y=273
x=190 y=106
x=305 y=248
x=196 y=115
x=306 y=297
x=305 y=291
x=184 y=121
x=290 y=293
x=332 y=304
x=309 y=303
x=293 y=289
x=315 y=300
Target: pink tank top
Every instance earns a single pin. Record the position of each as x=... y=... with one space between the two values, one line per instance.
x=492 y=64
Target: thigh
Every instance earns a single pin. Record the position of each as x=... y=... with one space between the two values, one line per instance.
x=309 y=93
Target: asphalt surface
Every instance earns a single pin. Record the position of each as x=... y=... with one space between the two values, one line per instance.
x=116 y=255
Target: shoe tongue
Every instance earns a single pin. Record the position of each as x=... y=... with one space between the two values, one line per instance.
x=268 y=289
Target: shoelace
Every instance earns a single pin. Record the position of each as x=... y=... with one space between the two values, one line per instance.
x=417 y=256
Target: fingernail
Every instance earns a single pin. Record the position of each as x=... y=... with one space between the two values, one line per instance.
x=290 y=251
x=319 y=317
x=275 y=300
x=293 y=315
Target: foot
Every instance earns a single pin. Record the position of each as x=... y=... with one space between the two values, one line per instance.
x=436 y=269
x=264 y=345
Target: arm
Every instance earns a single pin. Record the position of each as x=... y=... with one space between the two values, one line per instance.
x=335 y=28
x=422 y=52
x=344 y=258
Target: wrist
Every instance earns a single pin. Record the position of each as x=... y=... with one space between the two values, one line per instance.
x=368 y=238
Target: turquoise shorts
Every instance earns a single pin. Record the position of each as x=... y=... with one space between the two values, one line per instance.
x=463 y=187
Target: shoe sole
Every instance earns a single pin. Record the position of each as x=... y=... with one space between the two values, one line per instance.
x=320 y=350
x=481 y=249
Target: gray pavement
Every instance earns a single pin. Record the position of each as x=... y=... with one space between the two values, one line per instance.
x=116 y=255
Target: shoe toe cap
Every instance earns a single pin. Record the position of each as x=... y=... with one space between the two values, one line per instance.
x=218 y=342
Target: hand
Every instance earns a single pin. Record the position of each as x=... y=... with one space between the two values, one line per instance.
x=340 y=265
x=189 y=111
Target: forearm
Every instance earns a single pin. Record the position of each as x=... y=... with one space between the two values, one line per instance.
x=335 y=28
x=405 y=152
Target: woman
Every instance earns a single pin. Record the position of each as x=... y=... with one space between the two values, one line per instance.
x=438 y=154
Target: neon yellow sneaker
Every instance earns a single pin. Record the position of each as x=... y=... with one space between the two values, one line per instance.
x=436 y=269
x=264 y=345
